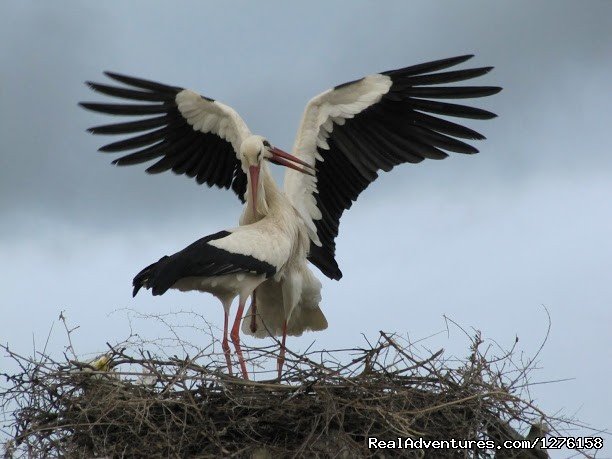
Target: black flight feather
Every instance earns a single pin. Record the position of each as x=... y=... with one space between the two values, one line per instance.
x=401 y=127
x=199 y=259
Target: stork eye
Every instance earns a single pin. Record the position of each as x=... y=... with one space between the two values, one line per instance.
x=266 y=144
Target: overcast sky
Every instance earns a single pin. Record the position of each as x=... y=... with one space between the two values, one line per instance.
x=487 y=239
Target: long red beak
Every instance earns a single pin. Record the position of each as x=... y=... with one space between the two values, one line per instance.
x=254 y=173
x=282 y=158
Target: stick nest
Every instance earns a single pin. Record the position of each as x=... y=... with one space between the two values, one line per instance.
x=133 y=403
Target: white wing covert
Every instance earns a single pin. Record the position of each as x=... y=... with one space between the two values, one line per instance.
x=354 y=130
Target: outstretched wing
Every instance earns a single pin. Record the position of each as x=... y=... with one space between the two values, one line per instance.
x=354 y=130
x=187 y=133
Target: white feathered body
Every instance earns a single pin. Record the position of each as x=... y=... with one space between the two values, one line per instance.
x=305 y=315
x=294 y=293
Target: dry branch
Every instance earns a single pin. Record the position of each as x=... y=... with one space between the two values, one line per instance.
x=131 y=402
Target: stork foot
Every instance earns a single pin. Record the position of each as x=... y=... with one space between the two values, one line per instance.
x=280 y=362
x=227 y=352
x=225 y=344
x=235 y=336
x=236 y=341
x=253 y=324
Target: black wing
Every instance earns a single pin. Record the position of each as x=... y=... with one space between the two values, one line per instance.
x=195 y=260
x=171 y=129
x=400 y=127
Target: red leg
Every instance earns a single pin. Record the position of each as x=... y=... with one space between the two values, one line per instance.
x=254 y=312
x=225 y=344
x=235 y=335
x=281 y=356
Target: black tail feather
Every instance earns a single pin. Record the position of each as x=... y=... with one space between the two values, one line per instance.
x=146 y=277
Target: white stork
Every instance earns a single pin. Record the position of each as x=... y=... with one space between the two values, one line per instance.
x=347 y=134
x=234 y=262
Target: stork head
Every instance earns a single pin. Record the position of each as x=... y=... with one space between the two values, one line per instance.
x=254 y=150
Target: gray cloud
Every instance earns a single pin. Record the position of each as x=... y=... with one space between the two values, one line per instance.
x=267 y=63
x=486 y=239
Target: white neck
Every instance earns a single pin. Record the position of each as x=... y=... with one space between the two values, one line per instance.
x=267 y=196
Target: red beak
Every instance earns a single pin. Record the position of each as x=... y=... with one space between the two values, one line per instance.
x=254 y=173
x=282 y=158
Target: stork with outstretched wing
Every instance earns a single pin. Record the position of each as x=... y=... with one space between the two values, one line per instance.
x=235 y=262
x=347 y=135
